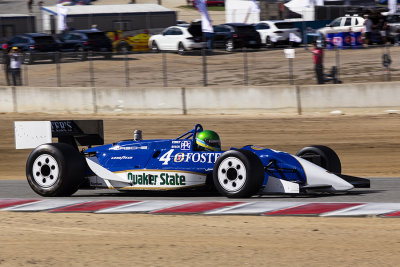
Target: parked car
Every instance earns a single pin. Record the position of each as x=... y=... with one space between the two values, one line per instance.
x=35 y=46
x=179 y=39
x=273 y=33
x=344 y=24
x=393 y=21
x=83 y=41
x=212 y=2
x=236 y=35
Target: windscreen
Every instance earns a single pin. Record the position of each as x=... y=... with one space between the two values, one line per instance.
x=96 y=36
x=285 y=25
x=44 y=40
x=245 y=29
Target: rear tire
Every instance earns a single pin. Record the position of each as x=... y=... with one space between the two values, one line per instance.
x=55 y=170
x=123 y=48
x=181 y=49
x=81 y=53
x=322 y=156
x=154 y=47
x=229 y=45
x=238 y=174
x=269 y=43
x=27 y=58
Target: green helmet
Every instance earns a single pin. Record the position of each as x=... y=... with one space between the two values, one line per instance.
x=208 y=140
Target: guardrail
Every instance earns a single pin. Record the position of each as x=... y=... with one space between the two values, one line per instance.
x=200 y=100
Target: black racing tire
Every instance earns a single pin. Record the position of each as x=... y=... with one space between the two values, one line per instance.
x=55 y=170
x=238 y=174
x=229 y=45
x=154 y=47
x=322 y=156
x=181 y=49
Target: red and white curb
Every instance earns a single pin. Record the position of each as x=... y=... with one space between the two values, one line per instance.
x=265 y=208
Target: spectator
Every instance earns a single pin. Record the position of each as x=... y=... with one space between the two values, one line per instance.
x=30 y=3
x=367 y=30
x=15 y=65
x=318 y=55
x=6 y=64
x=383 y=29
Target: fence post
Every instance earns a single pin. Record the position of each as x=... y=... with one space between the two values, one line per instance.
x=57 y=59
x=291 y=82
x=245 y=67
x=91 y=71
x=164 y=64
x=126 y=69
x=298 y=100
x=26 y=75
x=337 y=63
x=204 y=56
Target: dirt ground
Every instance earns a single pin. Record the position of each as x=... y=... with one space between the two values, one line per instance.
x=368 y=145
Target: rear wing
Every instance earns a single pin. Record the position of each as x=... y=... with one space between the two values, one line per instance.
x=30 y=134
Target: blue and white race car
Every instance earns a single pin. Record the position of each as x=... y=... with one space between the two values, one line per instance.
x=60 y=169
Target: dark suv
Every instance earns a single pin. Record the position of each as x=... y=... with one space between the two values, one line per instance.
x=35 y=46
x=236 y=35
x=82 y=41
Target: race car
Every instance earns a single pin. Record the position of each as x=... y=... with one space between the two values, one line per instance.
x=60 y=169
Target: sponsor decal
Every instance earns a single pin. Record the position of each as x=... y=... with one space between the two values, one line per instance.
x=182 y=145
x=257 y=147
x=122 y=157
x=127 y=147
x=185 y=145
x=163 y=178
x=201 y=157
x=61 y=126
x=196 y=157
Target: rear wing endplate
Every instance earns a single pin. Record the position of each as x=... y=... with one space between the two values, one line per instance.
x=30 y=134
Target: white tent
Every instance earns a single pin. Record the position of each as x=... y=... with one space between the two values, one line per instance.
x=241 y=11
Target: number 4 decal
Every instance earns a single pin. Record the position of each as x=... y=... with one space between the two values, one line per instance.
x=166 y=157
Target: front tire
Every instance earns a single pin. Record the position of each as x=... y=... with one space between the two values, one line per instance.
x=322 y=156
x=154 y=47
x=238 y=174
x=55 y=170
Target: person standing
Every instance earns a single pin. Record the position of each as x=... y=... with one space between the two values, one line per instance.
x=29 y=3
x=318 y=55
x=6 y=63
x=15 y=65
x=367 y=30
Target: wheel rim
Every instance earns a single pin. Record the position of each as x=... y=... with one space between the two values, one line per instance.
x=27 y=58
x=229 y=46
x=232 y=174
x=45 y=171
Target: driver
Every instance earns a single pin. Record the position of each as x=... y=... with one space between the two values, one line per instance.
x=208 y=141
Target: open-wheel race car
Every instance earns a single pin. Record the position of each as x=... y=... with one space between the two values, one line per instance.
x=60 y=168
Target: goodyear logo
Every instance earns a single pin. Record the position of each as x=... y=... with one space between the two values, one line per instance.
x=155 y=179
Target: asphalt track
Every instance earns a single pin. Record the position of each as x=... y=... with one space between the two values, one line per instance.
x=383 y=190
